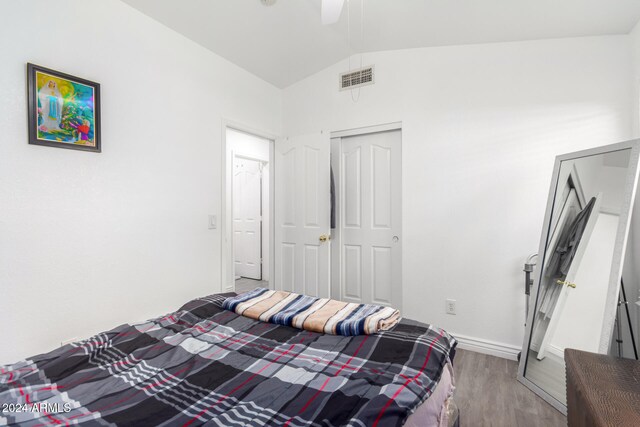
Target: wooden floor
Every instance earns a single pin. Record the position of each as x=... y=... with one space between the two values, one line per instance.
x=488 y=394
x=548 y=373
x=243 y=284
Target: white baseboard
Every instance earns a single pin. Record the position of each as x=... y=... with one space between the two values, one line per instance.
x=556 y=351
x=479 y=345
x=230 y=289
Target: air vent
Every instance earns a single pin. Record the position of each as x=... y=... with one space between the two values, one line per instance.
x=357 y=78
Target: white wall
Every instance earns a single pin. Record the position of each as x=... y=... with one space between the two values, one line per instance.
x=481 y=127
x=246 y=145
x=89 y=241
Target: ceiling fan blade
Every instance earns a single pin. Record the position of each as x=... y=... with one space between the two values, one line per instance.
x=331 y=10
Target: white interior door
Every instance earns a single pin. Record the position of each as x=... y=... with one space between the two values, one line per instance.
x=574 y=269
x=569 y=201
x=371 y=218
x=549 y=291
x=247 y=217
x=302 y=205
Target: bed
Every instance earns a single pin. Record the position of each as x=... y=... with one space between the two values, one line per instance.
x=204 y=365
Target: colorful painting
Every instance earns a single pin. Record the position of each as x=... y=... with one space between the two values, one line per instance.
x=63 y=110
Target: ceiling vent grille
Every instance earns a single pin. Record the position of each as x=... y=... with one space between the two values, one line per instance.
x=357 y=78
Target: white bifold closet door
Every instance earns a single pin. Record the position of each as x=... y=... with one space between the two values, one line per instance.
x=370 y=218
x=247 y=217
x=302 y=214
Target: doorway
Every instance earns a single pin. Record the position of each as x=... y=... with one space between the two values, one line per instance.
x=249 y=167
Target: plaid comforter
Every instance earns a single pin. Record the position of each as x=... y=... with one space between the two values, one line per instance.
x=206 y=365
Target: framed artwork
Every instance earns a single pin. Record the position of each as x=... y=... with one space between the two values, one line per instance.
x=64 y=111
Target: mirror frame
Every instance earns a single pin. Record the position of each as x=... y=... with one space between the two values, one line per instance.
x=615 y=275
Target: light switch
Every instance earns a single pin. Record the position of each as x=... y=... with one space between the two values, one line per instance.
x=212 y=222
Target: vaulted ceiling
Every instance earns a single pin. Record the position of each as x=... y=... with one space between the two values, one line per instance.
x=286 y=42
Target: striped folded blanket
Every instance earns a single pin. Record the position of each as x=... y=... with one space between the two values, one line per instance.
x=314 y=314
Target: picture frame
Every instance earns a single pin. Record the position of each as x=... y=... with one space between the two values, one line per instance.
x=64 y=110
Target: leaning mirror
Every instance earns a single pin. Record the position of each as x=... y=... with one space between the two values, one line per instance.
x=580 y=264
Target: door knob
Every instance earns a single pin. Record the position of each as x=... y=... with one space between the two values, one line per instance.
x=569 y=284
x=324 y=238
x=395 y=239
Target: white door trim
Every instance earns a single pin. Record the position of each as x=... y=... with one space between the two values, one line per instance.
x=227 y=276
x=367 y=129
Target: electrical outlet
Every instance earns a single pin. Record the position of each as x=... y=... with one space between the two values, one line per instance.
x=450 y=305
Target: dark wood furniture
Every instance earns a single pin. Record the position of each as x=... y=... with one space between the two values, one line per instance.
x=602 y=390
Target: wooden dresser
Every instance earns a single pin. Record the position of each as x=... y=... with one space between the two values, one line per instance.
x=602 y=390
